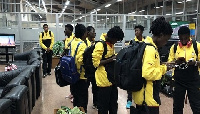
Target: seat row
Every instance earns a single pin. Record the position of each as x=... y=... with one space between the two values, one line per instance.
x=19 y=89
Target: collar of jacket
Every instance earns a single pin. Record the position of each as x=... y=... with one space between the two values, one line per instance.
x=111 y=45
x=138 y=40
x=150 y=40
x=189 y=43
x=46 y=32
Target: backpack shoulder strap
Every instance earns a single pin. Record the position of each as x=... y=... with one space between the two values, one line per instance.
x=195 y=47
x=70 y=43
x=77 y=48
x=50 y=33
x=175 y=47
x=105 y=49
x=42 y=34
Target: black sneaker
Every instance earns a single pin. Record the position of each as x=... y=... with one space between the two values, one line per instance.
x=94 y=107
x=44 y=75
x=49 y=73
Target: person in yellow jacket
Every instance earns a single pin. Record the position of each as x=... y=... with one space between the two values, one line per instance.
x=70 y=36
x=138 y=38
x=186 y=79
x=91 y=34
x=152 y=70
x=80 y=88
x=107 y=90
x=46 y=39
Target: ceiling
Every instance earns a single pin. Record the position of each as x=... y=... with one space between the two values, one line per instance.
x=117 y=7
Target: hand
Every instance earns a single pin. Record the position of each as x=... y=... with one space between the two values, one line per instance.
x=170 y=66
x=48 y=49
x=191 y=62
x=180 y=60
x=114 y=57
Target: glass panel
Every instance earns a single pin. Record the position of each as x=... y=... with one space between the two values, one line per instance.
x=191 y=18
x=159 y=7
x=178 y=7
x=191 y=6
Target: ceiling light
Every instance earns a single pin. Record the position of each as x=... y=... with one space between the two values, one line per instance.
x=43 y=3
x=98 y=9
x=67 y=2
x=119 y=0
x=188 y=0
x=63 y=10
x=98 y=20
x=108 y=5
x=142 y=10
x=157 y=7
x=168 y=14
x=161 y=6
x=179 y=13
x=180 y=2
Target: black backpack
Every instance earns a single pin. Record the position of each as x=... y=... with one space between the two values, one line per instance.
x=87 y=59
x=59 y=78
x=128 y=67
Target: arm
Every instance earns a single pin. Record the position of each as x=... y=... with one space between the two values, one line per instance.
x=198 y=58
x=97 y=54
x=52 y=40
x=151 y=68
x=171 y=57
x=103 y=62
x=79 y=55
x=41 y=43
x=66 y=43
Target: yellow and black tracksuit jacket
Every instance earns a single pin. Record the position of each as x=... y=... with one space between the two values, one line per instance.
x=103 y=36
x=79 y=55
x=188 y=53
x=67 y=40
x=138 y=40
x=47 y=40
x=101 y=74
x=88 y=42
x=151 y=71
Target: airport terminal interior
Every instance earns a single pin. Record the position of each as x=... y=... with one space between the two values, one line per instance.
x=25 y=89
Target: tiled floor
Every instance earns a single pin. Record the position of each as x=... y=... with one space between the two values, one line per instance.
x=53 y=97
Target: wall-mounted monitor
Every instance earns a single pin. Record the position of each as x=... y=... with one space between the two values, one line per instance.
x=7 y=40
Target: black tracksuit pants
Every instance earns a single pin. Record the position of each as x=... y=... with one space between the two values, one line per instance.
x=94 y=89
x=47 y=61
x=152 y=110
x=80 y=93
x=129 y=97
x=107 y=100
x=186 y=80
x=179 y=97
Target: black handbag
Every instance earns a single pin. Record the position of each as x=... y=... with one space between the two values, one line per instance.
x=109 y=67
x=59 y=79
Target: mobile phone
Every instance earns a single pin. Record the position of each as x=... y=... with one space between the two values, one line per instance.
x=181 y=59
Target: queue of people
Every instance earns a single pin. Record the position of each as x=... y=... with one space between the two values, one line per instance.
x=105 y=91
